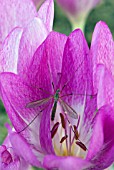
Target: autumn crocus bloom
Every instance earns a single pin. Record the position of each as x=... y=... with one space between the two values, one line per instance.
x=77 y=11
x=8 y=159
x=60 y=63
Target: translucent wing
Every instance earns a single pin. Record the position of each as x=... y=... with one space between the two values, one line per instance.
x=38 y=102
x=71 y=112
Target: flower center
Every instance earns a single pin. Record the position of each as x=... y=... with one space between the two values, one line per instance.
x=66 y=138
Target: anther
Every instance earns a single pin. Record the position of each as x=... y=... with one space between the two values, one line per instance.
x=62 y=120
x=81 y=145
x=76 y=134
x=54 y=129
x=63 y=138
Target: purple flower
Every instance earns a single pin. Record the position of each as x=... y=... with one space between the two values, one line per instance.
x=61 y=70
x=8 y=158
x=78 y=10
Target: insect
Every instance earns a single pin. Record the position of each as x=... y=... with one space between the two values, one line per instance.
x=57 y=97
x=65 y=106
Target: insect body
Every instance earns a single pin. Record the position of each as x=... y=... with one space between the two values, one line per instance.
x=66 y=108
x=56 y=97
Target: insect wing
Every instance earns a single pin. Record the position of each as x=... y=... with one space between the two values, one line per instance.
x=71 y=112
x=38 y=102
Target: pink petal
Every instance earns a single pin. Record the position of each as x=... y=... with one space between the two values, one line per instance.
x=75 y=70
x=23 y=149
x=68 y=163
x=55 y=55
x=105 y=86
x=45 y=134
x=11 y=87
x=102 y=47
x=46 y=13
x=101 y=149
x=15 y=13
x=9 y=52
x=33 y=35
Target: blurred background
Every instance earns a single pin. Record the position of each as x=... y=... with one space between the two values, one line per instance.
x=103 y=11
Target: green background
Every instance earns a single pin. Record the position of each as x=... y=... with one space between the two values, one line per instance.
x=104 y=11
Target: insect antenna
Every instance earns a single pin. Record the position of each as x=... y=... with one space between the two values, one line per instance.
x=44 y=91
x=53 y=86
x=51 y=77
x=90 y=95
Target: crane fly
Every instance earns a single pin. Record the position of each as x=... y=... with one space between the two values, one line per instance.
x=65 y=106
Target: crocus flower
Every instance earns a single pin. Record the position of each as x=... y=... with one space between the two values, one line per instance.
x=8 y=159
x=78 y=10
x=61 y=65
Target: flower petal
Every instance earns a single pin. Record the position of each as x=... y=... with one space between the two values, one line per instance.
x=15 y=13
x=9 y=52
x=33 y=35
x=54 y=55
x=16 y=166
x=102 y=48
x=45 y=133
x=61 y=163
x=23 y=150
x=75 y=71
x=105 y=86
x=46 y=14
x=16 y=94
x=101 y=149
x=15 y=98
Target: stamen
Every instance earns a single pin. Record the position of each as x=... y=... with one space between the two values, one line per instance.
x=70 y=144
x=76 y=134
x=54 y=129
x=62 y=120
x=78 y=121
x=63 y=138
x=79 y=143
